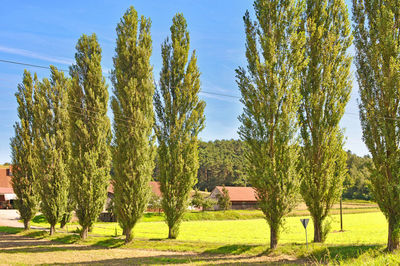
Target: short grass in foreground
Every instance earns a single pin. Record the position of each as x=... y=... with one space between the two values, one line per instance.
x=363 y=240
x=363 y=228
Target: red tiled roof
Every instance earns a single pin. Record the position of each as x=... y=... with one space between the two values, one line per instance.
x=240 y=193
x=155 y=187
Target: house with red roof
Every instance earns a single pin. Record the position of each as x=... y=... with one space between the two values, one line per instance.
x=242 y=198
x=155 y=188
x=7 y=195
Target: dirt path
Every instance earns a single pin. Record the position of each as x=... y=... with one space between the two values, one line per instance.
x=16 y=249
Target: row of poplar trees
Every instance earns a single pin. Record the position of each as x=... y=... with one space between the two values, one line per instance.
x=295 y=89
x=64 y=148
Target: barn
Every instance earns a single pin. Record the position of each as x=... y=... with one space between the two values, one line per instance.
x=7 y=195
x=242 y=198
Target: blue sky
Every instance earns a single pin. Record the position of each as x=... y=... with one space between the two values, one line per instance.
x=45 y=32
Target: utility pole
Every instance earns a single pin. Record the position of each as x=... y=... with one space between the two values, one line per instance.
x=341 y=215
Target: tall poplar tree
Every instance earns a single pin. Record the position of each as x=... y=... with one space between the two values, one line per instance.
x=270 y=95
x=23 y=181
x=51 y=146
x=179 y=120
x=90 y=133
x=325 y=90
x=377 y=42
x=134 y=150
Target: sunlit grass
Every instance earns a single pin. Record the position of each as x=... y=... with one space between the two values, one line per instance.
x=363 y=240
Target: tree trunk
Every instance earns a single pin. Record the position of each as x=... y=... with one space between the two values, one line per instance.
x=273 y=237
x=128 y=235
x=317 y=230
x=84 y=232
x=27 y=225
x=62 y=224
x=172 y=232
x=393 y=237
x=52 y=229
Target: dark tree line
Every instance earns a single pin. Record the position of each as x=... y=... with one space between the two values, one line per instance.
x=222 y=162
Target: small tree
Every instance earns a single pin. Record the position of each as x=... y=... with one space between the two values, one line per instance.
x=90 y=133
x=224 y=201
x=23 y=180
x=197 y=199
x=155 y=202
x=202 y=202
x=51 y=149
x=179 y=120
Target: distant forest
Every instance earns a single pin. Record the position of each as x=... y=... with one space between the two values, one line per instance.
x=222 y=162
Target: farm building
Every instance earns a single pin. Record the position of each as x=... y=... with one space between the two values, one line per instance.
x=155 y=187
x=7 y=195
x=242 y=198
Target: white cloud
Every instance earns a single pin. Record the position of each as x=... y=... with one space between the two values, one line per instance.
x=27 y=53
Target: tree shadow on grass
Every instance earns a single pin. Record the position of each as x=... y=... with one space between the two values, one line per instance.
x=341 y=253
x=231 y=249
x=110 y=243
x=10 y=230
x=187 y=259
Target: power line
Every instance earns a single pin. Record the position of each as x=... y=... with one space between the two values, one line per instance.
x=26 y=64
x=64 y=70
x=126 y=119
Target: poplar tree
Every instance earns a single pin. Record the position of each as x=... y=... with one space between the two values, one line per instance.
x=325 y=90
x=179 y=120
x=23 y=181
x=90 y=133
x=377 y=42
x=51 y=147
x=133 y=151
x=270 y=95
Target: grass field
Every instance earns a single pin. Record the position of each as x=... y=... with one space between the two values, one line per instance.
x=363 y=241
x=365 y=228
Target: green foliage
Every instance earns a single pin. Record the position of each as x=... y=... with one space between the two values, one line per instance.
x=270 y=94
x=325 y=90
x=221 y=162
x=357 y=184
x=23 y=180
x=133 y=150
x=155 y=202
x=180 y=118
x=51 y=146
x=223 y=200
x=202 y=202
x=377 y=32
x=90 y=132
